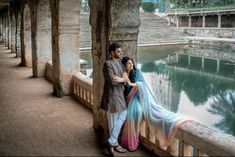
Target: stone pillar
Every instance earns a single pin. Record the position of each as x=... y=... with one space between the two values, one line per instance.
x=111 y=21
x=27 y=41
x=43 y=37
x=190 y=21
x=65 y=43
x=13 y=34
x=219 y=20
x=177 y=21
x=9 y=32
x=17 y=37
x=203 y=21
x=9 y=29
x=0 y=29
x=5 y=30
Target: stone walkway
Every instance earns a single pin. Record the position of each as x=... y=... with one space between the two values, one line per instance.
x=35 y=123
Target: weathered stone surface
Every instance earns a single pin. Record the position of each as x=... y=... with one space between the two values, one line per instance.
x=65 y=44
x=27 y=53
x=210 y=32
x=43 y=37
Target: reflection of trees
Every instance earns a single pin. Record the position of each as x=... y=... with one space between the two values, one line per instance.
x=198 y=86
x=151 y=66
x=224 y=105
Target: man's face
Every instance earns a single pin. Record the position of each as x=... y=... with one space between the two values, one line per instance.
x=117 y=53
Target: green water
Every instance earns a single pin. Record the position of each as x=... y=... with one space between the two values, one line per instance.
x=202 y=89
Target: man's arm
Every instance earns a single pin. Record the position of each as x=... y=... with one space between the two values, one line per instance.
x=108 y=74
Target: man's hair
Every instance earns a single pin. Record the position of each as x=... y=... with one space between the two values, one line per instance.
x=113 y=47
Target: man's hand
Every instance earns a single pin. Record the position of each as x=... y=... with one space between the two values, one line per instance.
x=118 y=79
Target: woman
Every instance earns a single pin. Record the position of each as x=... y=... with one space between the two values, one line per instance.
x=142 y=105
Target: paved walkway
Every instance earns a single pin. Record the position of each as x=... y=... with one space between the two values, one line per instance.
x=35 y=123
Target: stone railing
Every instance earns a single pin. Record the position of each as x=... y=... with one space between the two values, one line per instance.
x=82 y=89
x=192 y=139
x=201 y=10
x=48 y=72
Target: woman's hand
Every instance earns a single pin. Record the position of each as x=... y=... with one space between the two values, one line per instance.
x=118 y=79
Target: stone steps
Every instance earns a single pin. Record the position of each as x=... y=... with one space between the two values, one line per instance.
x=153 y=28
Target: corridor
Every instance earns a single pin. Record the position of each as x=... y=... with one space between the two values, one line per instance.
x=35 y=123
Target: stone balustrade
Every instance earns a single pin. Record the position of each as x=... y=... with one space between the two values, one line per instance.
x=82 y=89
x=192 y=139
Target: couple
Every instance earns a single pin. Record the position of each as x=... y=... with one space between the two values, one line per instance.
x=128 y=99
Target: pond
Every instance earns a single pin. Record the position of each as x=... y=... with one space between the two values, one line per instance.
x=192 y=81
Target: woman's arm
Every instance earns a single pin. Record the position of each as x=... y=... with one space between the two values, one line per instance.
x=130 y=83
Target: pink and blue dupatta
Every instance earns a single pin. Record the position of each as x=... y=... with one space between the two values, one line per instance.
x=142 y=104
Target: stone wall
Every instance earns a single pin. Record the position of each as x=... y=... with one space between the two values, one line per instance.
x=216 y=33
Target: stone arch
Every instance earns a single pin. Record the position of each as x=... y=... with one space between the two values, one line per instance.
x=27 y=37
x=43 y=37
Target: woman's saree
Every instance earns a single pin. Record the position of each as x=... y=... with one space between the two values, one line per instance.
x=142 y=104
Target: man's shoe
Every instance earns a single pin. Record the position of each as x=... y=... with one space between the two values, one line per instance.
x=120 y=149
x=109 y=149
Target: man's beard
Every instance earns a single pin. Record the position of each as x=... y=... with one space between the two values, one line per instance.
x=116 y=56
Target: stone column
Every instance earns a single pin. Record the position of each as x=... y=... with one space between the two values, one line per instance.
x=177 y=21
x=0 y=29
x=9 y=32
x=65 y=43
x=27 y=38
x=43 y=37
x=13 y=34
x=219 y=20
x=9 y=28
x=111 y=21
x=203 y=21
x=17 y=37
x=5 y=30
x=190 y=21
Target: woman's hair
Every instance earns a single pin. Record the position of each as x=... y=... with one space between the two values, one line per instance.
x=132 y=75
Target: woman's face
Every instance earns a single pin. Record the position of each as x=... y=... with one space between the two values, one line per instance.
x=129 y=65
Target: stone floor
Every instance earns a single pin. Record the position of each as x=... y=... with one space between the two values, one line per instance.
x=35 y=123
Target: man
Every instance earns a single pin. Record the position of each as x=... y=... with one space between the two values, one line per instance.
x=113 y=101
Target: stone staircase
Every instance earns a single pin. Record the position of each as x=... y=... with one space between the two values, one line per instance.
x=157 y=31
x=153 y=31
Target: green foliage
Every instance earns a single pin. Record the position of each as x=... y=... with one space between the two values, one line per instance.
x=148 y=6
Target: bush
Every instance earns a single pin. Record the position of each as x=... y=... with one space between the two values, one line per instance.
x=148 y=6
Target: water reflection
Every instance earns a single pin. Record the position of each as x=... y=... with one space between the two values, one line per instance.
x=224 y=105
x=192 y=84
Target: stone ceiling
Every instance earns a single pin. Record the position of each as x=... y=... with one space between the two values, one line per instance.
x=4 y=3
